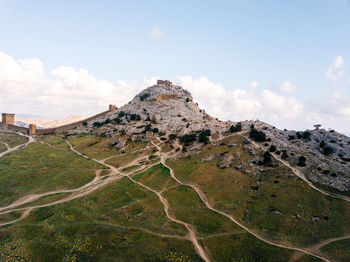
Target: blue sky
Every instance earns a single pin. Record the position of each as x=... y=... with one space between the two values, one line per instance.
x=229 y=43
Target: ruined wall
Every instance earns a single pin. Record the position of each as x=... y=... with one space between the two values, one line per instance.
x=164 y=82
x=166 y=97
x=18 y=129
x=67 y=127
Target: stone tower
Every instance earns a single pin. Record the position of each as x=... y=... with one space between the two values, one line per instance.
x=32 y=129
x=8 y=119
x=112 y=107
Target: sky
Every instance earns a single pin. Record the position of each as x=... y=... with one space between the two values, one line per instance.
x=283 y=62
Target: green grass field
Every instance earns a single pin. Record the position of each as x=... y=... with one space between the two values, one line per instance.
x=339 y=250
x=12 y=139
x=3 y=148
x=123 y=221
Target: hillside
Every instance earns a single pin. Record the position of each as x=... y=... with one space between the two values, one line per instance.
x=161 y=180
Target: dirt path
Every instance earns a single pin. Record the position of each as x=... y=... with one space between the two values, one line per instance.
x=300 y=174
x=13 y=149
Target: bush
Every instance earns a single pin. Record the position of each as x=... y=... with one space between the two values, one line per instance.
x=155 y=130
x=267 y=158
x=135 y=117
x=258 y=136
x=107 y=121
x=121 y=114
x=96 y=124
x=302 y=161
x=148 y=127
x=84 y=123
x=272 y=148
x=303 y=135
x=326 y=149
x=284 y=154
x=188 y=138
x=203 y=136
x=144 y=96
x=117 y=120
x=187 y=100
x=236 y=128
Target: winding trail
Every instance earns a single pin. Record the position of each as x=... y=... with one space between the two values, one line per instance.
x=13 y=149
x=300 y=174
x=116 y=173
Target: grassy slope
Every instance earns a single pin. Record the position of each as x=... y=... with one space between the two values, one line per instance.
x=231 y=191
x=338 y=250
x=12 y=139
x=39 y=168
x=2 y=148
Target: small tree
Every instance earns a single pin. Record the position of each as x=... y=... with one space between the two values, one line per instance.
x=256 y=135
x=267 y=158
x=97 y=124
x=148 y=127
x=284 y=154
x=272 y=148
x=85 y=123
x=236 y=128
x=317 y=126
x=302 y=161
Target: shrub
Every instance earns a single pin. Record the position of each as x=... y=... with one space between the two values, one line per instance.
x=117 y=120
x=267 y=158
x=284 y=154
x=188 y=138
x=144 y=96
x=148 y=127
x=121 y=114
x=256 y=135
x=302 y=161
x=155 y=130
x=187 y=100
x=107 y=121
x=96 y=124
x=303 y=135
x=135 y=117
x=203 y=136
x=84 y=123
x=236 y=128
x=272 y=148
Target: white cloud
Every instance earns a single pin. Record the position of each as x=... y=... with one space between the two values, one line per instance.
x=240 y=104
x=254 y=84
x=156 y=32
x=25 y=87
x=336 y=69
x=288 y=86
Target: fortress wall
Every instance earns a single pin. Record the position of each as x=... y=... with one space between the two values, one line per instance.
x=18 y=129
x=68 y=126
x=166 y=97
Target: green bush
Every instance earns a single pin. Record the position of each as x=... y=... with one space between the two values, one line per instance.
x=272 y=148
x=96 y=124
x=267 y=158
x=284 y=154
x=258 y=136
x=236 y=128
x=155 y=130
x=148 y=127
x=188 y=138
x=121 y=114
x=84 y=123
x=302 y=161
x=144 y=96
x=135 y=117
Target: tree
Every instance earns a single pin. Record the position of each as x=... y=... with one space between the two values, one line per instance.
x=317 y=126
x=97 y=124
x=148 y=127
x=302 y=161
x=272 y=148
x=85 y=123
x=267 y=158
x=256 y=135
x=284 y=154
x=236 y=128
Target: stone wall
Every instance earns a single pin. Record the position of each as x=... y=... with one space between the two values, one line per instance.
x=164 y=82
x=166 y=97
x=19 y=129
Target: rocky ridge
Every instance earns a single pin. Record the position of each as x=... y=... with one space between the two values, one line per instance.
x=169 y=110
